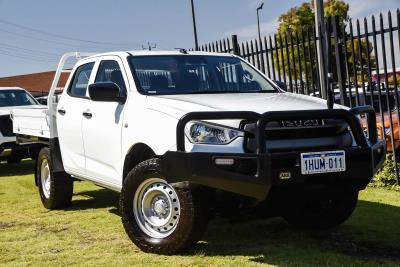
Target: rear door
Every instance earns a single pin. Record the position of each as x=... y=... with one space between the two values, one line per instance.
x=102 y=129
x=69 y=119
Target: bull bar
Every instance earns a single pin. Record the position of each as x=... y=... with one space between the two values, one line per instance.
x=362 y=160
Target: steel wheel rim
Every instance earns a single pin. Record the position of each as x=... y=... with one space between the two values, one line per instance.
x=156 y=208
x=45 y=178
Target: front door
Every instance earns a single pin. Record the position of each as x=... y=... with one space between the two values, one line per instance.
x=102 y=128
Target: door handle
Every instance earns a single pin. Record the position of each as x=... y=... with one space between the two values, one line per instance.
x=87 y=114
x=62 y=111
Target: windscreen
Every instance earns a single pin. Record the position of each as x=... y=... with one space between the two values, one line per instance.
x=191 y=74
x=11 y=98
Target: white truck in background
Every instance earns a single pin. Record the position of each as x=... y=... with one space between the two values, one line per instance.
x=184 y=134
x=10 y=98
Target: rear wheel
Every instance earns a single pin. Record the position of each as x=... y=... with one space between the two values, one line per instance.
x=55 y=188
x=159 y=217
x=324 y=212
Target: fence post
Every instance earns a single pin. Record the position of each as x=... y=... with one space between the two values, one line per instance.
x=328 y=64
x=320 y=43
x=235 y=45
x=340 y=68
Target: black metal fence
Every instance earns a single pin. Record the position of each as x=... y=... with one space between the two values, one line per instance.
x=361 y=65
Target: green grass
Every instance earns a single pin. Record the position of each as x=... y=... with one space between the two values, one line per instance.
x=90 y=233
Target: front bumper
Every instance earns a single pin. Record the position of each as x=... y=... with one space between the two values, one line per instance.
x=254 y=174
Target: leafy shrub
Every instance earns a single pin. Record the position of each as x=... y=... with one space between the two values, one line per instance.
x=391 y=80
x=386 y=177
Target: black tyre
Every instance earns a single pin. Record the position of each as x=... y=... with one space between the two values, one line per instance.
x=324 y=212
x=55 y=188
x=34 y=153
x=159 y=217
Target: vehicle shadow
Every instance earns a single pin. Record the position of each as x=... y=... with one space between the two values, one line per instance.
x=22 y=168
x=95 y=199
x=365 y=237
x=371 y=234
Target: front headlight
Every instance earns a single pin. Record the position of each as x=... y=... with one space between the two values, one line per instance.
x=207 y=133
x=388 y=131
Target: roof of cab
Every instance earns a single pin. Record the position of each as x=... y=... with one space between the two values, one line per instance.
x=160 y=53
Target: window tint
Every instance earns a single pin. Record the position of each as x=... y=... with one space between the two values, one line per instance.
x=9 y=98
x=109 y=71
x=194 y=74
x=81 y=80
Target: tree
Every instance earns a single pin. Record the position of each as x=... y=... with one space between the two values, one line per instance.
x=355 y=48
x=296 y=23
x=296 y=18
x=337 y=8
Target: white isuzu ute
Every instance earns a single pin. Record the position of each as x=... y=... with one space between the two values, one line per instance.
x=186 y=135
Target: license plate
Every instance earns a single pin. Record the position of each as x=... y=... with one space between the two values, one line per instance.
x=323 y=162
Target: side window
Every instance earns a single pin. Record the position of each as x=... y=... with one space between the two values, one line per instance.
x=80 y=82
x=109 y=71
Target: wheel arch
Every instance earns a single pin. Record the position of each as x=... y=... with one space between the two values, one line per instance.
x=137 y=153
x=54 y=146
x=36 y=152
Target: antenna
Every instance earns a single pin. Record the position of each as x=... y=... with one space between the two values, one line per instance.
x=149 y=46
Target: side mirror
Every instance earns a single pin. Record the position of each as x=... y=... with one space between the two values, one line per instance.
x=106 y=92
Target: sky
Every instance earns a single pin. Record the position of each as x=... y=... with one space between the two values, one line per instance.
x=34 y=34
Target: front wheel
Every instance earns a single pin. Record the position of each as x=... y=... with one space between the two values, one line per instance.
x=324 y=212
x=55 y=188
x=159 y=217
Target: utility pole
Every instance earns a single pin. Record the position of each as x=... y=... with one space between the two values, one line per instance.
x=258 y=22
x=196 y=43
x=320 y=32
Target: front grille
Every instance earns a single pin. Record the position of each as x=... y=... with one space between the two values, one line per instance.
x=326 y=134
x=302 y=123
x=327 y=129
x=6 y=127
